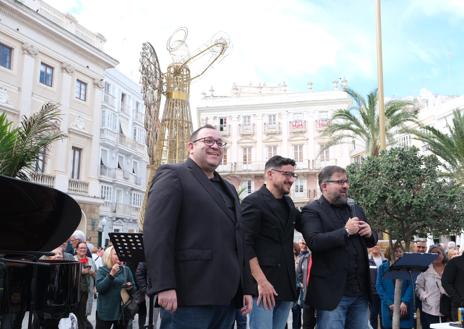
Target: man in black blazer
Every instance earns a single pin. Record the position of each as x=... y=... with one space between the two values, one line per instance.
x=452 y=281
x=338 y=236
x=268 y=219
x=193 y=242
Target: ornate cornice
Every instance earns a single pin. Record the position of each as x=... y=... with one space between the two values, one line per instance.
x=30 y=49
x=68 y=68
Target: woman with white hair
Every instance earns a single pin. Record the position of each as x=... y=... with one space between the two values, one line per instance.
x=110 y=279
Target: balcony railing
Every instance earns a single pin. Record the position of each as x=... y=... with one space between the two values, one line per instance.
x=297 y=126
x=78 y=187
x=125 y=108
x=272 y=129
x=246 y=130
x=106 y=133
x=139 y=117
x=321 y=124
x=107 y=172
x=42 y=179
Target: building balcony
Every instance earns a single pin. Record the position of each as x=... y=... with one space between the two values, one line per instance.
x=139 y=117
x=224 y=130
x=125 y=108
x=108 y=135
x=297 y=126
x=272 y=129
x=42 y=179
x=321 y=124
x=246 y=130
x=78 y=187
x=109 y=100
x=107 y=172
x=130 y=144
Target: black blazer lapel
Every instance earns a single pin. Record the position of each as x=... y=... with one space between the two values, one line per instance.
x=201 y=177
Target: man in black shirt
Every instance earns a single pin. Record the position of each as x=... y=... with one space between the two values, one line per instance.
x=338 y=236
x=268 y=220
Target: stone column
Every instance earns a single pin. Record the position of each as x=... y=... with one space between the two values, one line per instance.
x=62 y=146
x=94 y=185
x=27 y=79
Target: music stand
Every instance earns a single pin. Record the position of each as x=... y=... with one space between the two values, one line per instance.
x=408 y=267
x=129 y=248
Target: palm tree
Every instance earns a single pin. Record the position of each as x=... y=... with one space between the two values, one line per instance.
x=361 y=121
x=448 y=147
x=21 y=146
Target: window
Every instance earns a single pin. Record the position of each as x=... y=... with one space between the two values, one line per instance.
x=224 y=157
x=39 y=165
x=109 y=120
x=136 y=199
x=404 y=141
x=325 y=155
x=76 y=163
x=81 y=90
x=107 y=88
x=271 y=151
x=272 y=119
x=299 y=185
x=46 y=74
x=246 y=120
x=298 y=152
x=5 y=56
x=121 y=161
x=222 y=124
x=135 y=167
x=246 y=155
x=249 y=187
x=106 y=192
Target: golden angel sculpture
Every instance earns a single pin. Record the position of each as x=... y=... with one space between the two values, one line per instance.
x=167 y=139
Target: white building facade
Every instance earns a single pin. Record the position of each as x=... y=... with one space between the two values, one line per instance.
x=123 y=155
x=46 y=56
x=259 y=122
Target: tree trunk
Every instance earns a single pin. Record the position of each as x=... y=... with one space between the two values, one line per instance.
x=396 y=307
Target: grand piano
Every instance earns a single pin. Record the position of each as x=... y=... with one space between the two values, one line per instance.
x=34 y=220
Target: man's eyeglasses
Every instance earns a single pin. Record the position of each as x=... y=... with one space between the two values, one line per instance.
x=338 y=181
x=211 y=141
x=286 y=173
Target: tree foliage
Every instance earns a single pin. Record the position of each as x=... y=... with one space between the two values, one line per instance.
x=447 y=146
x=20 y=146
x=361 y=121
x=404 y=194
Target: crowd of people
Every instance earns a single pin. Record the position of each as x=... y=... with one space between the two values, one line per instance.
x=215 y=262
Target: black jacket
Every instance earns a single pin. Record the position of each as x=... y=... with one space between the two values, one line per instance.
x=452 y=280
x=327 y=240
x=192 y=244
x=270 y=239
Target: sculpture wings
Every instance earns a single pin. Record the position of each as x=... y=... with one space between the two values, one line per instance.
x=152 y=89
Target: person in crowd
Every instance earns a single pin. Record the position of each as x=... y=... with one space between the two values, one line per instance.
x=375 y=260
x=296 y=307
x=76 y=237
x=452 y=252
x=88 y=271
x=110 y=279
x=450 y=245
x=420 y=246
x=429 y=289
x=143 y=289
x=303 y=268
x=338 y=236
x=269 y=218
x=97 y=256
x=453 y=283
x=386 y=290
x=193 y=241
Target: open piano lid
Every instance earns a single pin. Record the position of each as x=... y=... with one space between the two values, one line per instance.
x=35 y=217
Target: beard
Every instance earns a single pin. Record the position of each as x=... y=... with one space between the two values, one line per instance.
x=340 y=200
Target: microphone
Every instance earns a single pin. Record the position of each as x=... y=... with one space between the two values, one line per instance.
x=352 y=204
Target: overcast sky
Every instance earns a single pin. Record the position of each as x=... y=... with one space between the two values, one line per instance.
x=293 y=41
